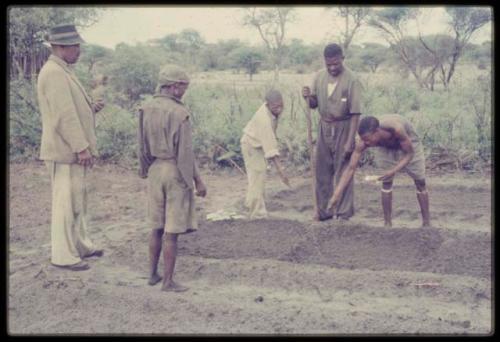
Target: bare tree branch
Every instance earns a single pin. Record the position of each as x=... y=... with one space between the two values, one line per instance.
x=271 y=25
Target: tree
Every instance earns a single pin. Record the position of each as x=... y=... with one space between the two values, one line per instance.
x=300 y=54
x=440 y=53
x=217 y=56
x=93 y=54
x=27 y=26
x=464 y=21
x=479 y=55
x=271 y=24
x=225 y=48
x=134 y=71
x=183 y=48
x=247 y=58
x=354 y=18
x=391 y=22
x=209 y=57
x=373 y=54
x=353 y=58
x=191 y=42
x=434 y=51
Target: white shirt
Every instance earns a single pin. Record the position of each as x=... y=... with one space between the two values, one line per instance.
x=260 y=131
x=331 y=88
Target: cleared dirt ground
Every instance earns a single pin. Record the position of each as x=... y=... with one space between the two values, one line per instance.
x=283 y=275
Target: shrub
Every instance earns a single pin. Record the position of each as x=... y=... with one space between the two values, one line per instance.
x=116 y=131
x=25 y=124
x=222 y=103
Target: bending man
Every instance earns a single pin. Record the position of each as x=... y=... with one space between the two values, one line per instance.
x=258 y=144
x=399 y=148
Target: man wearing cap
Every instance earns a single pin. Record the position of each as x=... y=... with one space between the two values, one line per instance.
x=258 y=144
x=336 y=92
x=68 y=147
x=167 y=160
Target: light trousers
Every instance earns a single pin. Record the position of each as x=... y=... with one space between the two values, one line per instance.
x=69 y=238
x=255 y=165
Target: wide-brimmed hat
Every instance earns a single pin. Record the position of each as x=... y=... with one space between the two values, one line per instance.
x=64 y=35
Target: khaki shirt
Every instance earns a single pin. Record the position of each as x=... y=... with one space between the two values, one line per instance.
x=260 y=131
x=68 y=125
x=165 y=133
x=345 y=99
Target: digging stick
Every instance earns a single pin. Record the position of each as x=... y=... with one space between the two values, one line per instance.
x=311 y=153
x=231 y=160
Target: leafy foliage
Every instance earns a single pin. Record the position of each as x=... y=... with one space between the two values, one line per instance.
x=454 y=115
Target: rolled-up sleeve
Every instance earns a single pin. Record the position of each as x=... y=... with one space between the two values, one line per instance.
x=269 y=142
x=260 y=130
x=63 y=108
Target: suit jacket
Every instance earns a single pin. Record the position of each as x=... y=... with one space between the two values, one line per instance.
x=68 y=125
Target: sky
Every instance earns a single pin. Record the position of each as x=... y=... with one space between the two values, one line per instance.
x=313 y=24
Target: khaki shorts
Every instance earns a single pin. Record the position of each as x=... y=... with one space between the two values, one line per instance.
x=170 y=200
x=388 y=158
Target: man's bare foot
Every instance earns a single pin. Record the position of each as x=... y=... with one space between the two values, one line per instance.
x=388 y=225
x=154 y=279
x=174 y=287
x=426 y=225
x=316 y=217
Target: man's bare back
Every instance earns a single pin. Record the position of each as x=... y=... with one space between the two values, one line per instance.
x=393 y=124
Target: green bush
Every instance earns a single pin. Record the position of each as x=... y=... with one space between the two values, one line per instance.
x=116 y=131
x=25 y=125
x=222 y=103
x=220 y=112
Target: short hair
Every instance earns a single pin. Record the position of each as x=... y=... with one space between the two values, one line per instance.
x=368 y=124
x=333 y=50
x=273 y=95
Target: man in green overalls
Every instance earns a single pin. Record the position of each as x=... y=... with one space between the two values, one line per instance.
x=336 y=92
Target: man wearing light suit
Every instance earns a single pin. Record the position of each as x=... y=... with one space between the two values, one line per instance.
x=68 y=148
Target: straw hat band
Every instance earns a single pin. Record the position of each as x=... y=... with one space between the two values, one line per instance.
x=55 y=36
x=64 y=35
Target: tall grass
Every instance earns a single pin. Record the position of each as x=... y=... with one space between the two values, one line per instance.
x=221 y=103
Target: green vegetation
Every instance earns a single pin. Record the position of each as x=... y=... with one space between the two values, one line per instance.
x=450 y=104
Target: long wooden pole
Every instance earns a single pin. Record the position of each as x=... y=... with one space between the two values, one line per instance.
x=231 y=159
x=312 y=160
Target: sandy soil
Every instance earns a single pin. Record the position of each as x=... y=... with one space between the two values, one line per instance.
x=283 y=275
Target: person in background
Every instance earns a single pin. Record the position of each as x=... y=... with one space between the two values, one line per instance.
x=168 y=161
x=259 y=143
